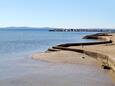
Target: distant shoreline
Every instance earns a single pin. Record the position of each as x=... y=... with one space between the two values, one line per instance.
x=81 y=30
x=50 y=29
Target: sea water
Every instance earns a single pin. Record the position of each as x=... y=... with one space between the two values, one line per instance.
x=17 y=68
x=16 y=41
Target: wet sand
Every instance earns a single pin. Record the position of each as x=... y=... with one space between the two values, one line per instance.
x=65 y=57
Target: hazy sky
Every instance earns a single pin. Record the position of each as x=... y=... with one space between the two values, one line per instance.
x=58 y=13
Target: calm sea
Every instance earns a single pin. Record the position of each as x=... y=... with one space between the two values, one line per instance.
x=25 y=41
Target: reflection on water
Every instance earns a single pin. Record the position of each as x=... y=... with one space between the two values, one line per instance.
x=27 y=72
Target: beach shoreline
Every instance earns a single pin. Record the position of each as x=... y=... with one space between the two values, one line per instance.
x=98 y=52
x=56 y=53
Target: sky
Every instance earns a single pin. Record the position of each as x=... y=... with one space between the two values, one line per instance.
x=58 y=13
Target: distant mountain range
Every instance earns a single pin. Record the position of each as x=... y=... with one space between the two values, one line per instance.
x=25 y=28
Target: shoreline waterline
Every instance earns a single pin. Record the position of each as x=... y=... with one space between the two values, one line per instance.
x=67 y=47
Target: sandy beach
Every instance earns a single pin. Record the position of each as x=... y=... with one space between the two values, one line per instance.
x=74 y=57
x=71 y=57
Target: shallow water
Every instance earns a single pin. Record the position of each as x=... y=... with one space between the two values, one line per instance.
x=18 y=69
x=38 y=73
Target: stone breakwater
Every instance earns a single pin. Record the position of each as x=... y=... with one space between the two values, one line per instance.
x=106 y=60
x=101 y=36
x=98 y=50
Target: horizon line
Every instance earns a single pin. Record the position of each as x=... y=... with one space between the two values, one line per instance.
x=56 y=27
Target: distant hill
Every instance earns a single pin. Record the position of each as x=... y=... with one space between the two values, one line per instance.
x=26 y=28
